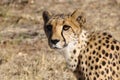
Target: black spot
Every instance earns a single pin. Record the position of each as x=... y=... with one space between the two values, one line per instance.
x=97 y=59
x=103 y=38
x=87 y=49
x=116 y=56
x=89 y=57
x=112 y=47
x=114 y=41
x=113 y=73
x=87 y=75
x=107 y=46
x=103 y=63
x=82 y=62
x=75 y=60
x=110 y=55
x=87 y=42
x=80 y=56
x=102 y=72
x=94 y=52
x=91 y=46
x=104 y=33
x=114 y=64
x=91 y=68
x=86 y=70
x=117 y=67
x=104 y=44
x=83 y=68
x=96 y=66
x=106 y=54
x=103 y=51
x=74 y=51
x=117 y=47
x=99 y=41
x=90 y=73
x=84 y=51
x=97 y=53
x=94 y=78
x=99 y=36
x=110 y=36
x=108 y=62
x=95 y=44
x=92 y=61
x=107 y=41
x=74 y=65
x=107 y=71
x=107 y=38
x=116 y=75
x=86 y=62
x=80 y=50
x=100 y=56
x=99 y=47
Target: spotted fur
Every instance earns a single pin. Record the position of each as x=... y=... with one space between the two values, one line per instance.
x=90 y=55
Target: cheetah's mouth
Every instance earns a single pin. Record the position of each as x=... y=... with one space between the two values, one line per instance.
x=58 y=47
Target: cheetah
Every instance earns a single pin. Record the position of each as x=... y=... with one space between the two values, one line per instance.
x=90 y=55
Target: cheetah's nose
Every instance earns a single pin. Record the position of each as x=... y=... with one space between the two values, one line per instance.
x=55 y=41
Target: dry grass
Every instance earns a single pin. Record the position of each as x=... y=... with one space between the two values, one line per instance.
x=24 y=53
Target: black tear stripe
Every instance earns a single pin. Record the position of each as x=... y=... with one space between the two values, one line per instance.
x=63 y=37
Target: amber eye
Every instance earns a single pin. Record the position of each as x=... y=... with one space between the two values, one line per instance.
x=49 y=27
x=66 y=27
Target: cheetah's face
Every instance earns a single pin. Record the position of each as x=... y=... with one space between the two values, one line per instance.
x=61 y=30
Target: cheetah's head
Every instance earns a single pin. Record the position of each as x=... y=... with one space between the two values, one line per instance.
x=61 y=30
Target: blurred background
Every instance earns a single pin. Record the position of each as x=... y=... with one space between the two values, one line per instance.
x=24 y=53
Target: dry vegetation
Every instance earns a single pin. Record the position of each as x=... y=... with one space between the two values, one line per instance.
x=24 y=53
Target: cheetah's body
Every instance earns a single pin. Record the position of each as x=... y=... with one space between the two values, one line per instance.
x=100 y=58
x=90 y=55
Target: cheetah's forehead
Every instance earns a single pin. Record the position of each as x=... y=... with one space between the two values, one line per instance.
x=60 y=16
x=59 y=19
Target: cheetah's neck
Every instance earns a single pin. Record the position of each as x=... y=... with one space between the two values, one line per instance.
x=72 y=51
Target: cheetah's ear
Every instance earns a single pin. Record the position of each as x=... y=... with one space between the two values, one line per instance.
x=46 y=16
x=78 y=15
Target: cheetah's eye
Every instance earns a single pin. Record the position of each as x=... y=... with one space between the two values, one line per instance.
x=66 y=27
x=49 y=27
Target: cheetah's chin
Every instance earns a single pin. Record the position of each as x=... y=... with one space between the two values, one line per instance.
x=56 y=47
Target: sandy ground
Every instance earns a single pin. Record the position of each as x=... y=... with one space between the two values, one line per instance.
x=24 y=53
